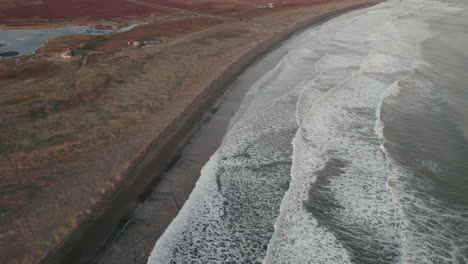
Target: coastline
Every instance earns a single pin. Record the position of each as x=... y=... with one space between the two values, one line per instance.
x=97 y=226
x=218 y=90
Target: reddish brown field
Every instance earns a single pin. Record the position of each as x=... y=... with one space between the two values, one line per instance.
x=14 y=12
x=228 y=7
x=71 y=9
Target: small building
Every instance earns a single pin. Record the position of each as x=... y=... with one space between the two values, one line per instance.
x=142 y=43
x=67 y=54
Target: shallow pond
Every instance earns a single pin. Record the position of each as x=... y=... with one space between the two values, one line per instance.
x=20 y=42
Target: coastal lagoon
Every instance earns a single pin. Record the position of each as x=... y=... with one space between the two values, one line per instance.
x=351 y=149
x=20 y=42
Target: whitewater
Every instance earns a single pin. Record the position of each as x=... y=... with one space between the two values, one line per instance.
x=312 y=168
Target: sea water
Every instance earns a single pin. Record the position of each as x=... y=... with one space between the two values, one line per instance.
x=352 y=149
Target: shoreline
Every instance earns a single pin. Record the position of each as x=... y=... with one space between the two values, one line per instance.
x=84 y=241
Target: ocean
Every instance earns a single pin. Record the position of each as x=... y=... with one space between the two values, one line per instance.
x=353 y=148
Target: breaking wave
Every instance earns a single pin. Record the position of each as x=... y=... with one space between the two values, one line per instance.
x=305 y=175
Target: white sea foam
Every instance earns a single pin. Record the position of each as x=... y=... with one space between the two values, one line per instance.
x=334 y=128
x=347 y=201
x=230 y=213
